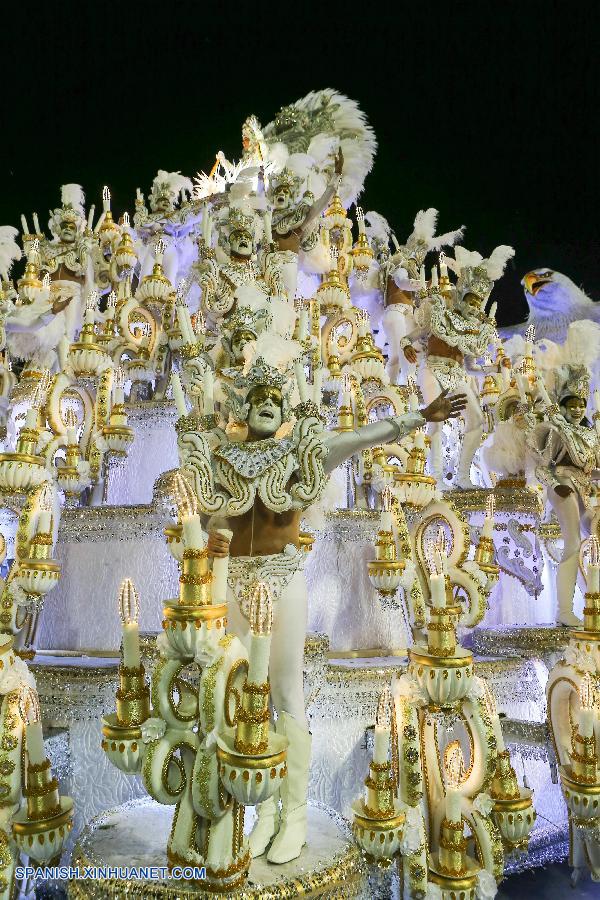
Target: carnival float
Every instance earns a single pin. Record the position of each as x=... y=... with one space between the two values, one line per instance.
x=302 y=571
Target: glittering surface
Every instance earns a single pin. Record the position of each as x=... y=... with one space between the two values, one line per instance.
x=136 y=834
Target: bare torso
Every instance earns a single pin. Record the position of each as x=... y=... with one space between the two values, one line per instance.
x=262 y=532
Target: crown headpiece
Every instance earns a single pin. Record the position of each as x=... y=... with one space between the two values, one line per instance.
x=477 y=275
x=246 y=319
x=284 y=179
x=574 y=382
x=260 y=373
x=71 y=209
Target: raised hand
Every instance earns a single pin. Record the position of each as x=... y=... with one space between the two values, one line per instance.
x=444 y=407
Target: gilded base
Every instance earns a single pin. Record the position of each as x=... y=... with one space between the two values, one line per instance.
x=330 y=865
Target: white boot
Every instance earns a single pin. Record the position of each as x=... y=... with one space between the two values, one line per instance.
x=566 y=579
x=266 y=825
x=470 y=446
x=291 y=838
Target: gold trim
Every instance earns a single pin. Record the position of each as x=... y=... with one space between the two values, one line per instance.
x=38 y=827
x=120 y=732
x=252 y=762
x=367 y=653
x=182 y=613
x=379 y=824
x=512 y=805
x=22 y=457
x=578 y=788
x=592 y=636
x=440 y=662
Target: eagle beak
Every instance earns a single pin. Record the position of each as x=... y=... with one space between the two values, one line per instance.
x=533 y=282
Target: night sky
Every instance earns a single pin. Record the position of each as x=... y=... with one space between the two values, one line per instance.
x=487 y=111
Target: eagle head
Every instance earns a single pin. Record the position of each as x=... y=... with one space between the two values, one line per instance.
x=548 y=292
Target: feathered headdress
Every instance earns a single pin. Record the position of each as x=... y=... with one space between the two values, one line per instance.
x=477 y=275
x=72 y=209
x=239 y=217
x=10 y=251
x=423 y=239
x=378 y=230
x=268 y=362
x=169 y=185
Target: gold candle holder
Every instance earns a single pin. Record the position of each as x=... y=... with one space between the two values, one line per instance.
x=252 y=720
x=591 y=612
x=27 y=442
x=41 y=792
x=504 y=783
x=253 y=715
x=379 y=803
x=195 y=579
x=133 y=697
x=453 y=849
x=485 y=554
x=584 y=760
x=441 y=631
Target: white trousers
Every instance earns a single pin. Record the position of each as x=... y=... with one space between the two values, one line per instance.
x=286 y=662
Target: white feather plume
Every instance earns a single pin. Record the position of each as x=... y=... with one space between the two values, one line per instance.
x=496 y=262
x=377 y=227
x=582 y=346
x=276 y=351
x=73 y=194
x=9 y=249
x=175 y=180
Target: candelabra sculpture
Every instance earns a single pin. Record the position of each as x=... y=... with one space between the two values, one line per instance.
x=452 y=823
x=574 y=720
x=206 y=748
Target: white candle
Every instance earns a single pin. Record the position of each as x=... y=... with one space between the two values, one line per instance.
x=138 y=195
x=220 y=569
x=303 y=324
x=382 y=744
x=301 y=380
x=488 y=524
x=34 y=737
x=453 y=803
x=193 y=536
x=438 y=591
x=258 y=665
x=71 y=435
x=131 y=645
x=261 y=621
x=382 y=728
x=24 y=225
x=105 y=199
x=521 y=385
x=31 y=419
x=386 y=522
x=434 y=277
x=443 y=269
x=346 y=392
x=90 y=220
x=586 y=714
x=422 y=279
x=185 y=323
x=129 y=610
x=178 y=394
x=593 y=569
x=44 y=523
x=208 y=401
x=362 y=326
x=419 y=441
x=36 y=224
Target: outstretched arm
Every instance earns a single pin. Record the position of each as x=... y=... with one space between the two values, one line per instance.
x=344 y=445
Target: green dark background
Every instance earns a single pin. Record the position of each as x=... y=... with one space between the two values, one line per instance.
x=487 y=111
